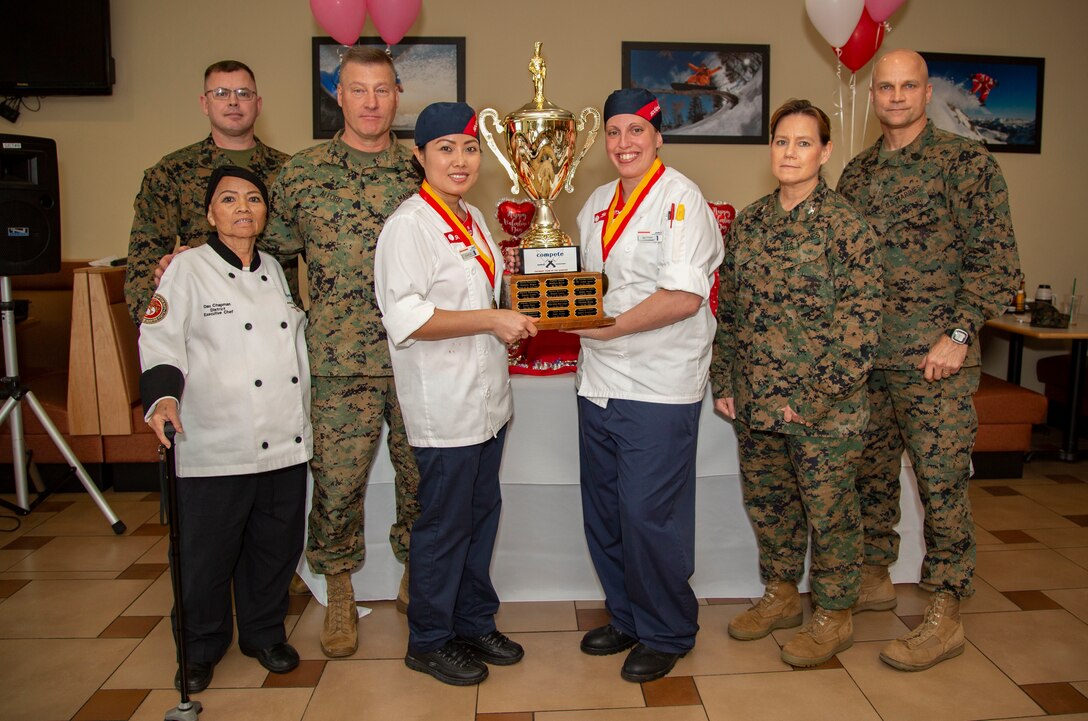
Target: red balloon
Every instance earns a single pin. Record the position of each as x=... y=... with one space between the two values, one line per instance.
x=863 y=43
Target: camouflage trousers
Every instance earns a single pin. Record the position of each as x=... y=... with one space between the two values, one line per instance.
x=347 y=414
x=796 y=484
x=936 y=424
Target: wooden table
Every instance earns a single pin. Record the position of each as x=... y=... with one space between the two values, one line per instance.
x=1078 y=335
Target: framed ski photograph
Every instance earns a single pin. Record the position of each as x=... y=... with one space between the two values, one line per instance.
x=993 y=98
x=709 y=92
x=428 y=70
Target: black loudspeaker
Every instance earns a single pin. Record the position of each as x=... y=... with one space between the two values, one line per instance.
x=29 y=206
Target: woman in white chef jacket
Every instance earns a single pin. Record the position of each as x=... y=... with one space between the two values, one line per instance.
x=640 y=390
x=437 y=275
x=224 y=359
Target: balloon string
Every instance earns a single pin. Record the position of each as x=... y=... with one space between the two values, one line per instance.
x=868 y=104
x=853 y=109
x=841 y=109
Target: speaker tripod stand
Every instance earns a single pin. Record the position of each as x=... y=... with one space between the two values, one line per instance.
x=18 y=392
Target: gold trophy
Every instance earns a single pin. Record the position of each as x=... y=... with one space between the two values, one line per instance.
x=541 y=141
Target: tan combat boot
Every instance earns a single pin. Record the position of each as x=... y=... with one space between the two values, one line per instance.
x=298 y=587
x=877 y=592
x=340 y=635
x=825 y=634
x=402 y=594
x=937 y=638
x=780 y=607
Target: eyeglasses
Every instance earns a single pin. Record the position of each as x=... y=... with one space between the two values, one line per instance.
x=244 y=95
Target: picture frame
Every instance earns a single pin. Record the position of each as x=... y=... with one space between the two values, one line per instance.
x=997 y=99
x=429 y=69
x=709 y=92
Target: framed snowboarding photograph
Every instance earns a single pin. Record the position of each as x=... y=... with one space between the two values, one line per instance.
x=709 y=92
x=992 y=98
x=429 y=70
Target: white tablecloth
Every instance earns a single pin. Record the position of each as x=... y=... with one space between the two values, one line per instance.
x=541 y=551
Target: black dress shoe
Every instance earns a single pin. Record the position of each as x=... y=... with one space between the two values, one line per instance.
x=199 y=676
x=646 y=664
x=606 y=640
x=278 y=658
x=494 y=648
x=453 y=664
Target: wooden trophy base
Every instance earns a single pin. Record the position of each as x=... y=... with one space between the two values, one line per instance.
x=560 y=301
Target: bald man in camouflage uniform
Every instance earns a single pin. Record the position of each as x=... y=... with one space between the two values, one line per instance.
x=170 y=205
x=799 y=317
x=329 y=205
x=939 y=205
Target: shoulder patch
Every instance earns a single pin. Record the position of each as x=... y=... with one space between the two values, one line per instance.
x=156 y=309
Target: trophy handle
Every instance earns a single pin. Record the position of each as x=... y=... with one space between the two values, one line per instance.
x=591 y=112
x=490 y=140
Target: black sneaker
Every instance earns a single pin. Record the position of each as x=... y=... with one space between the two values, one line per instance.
x=494 y=648
x=453 y=664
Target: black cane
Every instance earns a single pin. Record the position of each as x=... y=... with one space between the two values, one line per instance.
x=186 y=710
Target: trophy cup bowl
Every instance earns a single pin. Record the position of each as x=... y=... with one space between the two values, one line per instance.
x=541 y=144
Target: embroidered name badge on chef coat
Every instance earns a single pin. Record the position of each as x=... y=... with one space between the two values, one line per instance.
x=156 y=309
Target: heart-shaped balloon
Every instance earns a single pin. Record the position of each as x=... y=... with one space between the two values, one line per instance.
x=514 y=217
x=724 y=214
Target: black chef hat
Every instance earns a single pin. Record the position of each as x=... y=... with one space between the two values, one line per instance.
x=235 y=172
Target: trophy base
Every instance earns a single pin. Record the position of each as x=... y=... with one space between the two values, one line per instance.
x=559 y=301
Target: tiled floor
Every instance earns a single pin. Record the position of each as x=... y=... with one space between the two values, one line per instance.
x=84 y=637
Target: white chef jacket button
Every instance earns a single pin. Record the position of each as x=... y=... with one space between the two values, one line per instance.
x=283 y=324
x=258 y=383
x=298 y=439
x=249 y=326
x=294 y=379
x=265 y=445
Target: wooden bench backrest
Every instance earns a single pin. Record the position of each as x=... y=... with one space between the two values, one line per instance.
x=114 y=363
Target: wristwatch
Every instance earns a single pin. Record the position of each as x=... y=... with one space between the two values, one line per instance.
x=958 y=335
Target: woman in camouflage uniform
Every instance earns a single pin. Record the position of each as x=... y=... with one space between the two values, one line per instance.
x=799 y=319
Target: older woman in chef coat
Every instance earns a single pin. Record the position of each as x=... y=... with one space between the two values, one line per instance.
x=224 y=359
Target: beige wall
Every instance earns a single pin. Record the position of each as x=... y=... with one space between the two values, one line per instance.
x=161 y=48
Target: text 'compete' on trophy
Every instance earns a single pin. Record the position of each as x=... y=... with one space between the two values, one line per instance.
x=541 y=141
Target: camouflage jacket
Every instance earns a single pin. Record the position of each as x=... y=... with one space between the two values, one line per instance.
x=940 y=209
x=171 y=205
x=798 y=315
x=329 y=207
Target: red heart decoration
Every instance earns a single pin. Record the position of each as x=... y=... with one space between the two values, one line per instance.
x=515 y=217
x=724 y=214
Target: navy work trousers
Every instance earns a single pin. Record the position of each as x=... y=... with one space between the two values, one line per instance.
x=638 y=506
x=453 y=538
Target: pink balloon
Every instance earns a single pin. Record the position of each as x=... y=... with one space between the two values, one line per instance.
x=394 y=17
x=342 y=19
x=881 y=10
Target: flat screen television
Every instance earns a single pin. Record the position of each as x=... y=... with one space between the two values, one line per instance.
x=55 y=47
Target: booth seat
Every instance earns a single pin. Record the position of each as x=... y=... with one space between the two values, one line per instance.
x=1006 y=413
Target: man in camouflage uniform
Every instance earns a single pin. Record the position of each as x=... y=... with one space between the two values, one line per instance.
x=329 y=205
x=939 y=205
x=170 y=205
x=799 y=318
